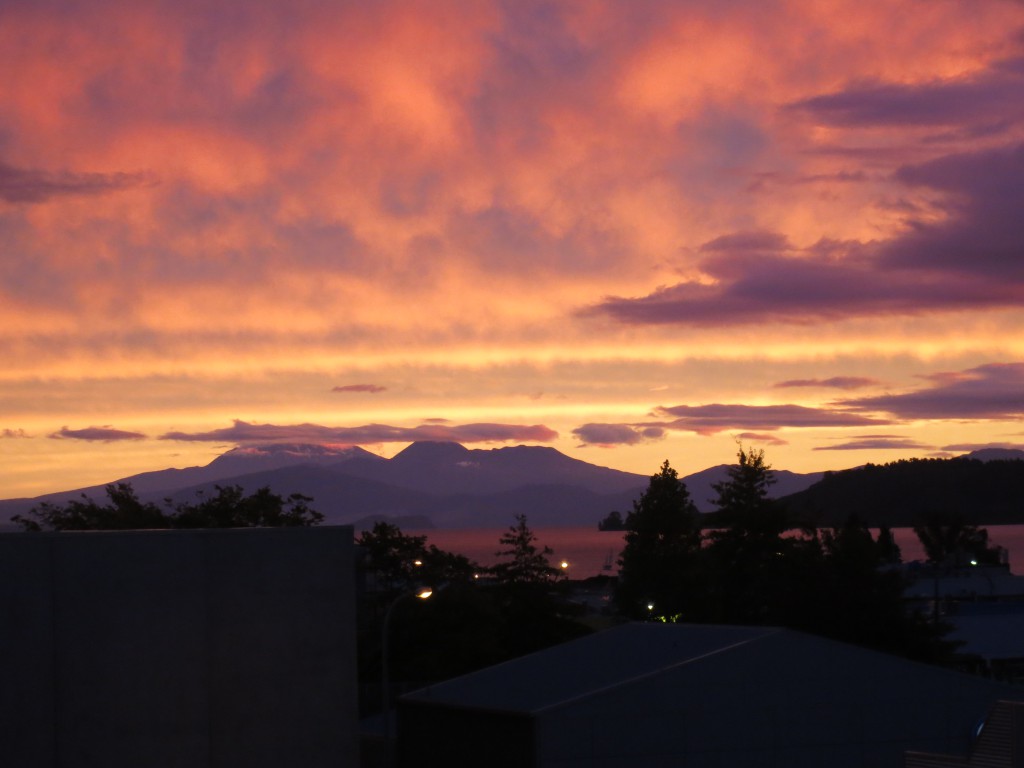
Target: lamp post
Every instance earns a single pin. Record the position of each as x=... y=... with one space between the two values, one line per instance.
x=422 y=594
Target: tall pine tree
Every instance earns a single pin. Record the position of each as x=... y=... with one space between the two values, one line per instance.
x=659 y=565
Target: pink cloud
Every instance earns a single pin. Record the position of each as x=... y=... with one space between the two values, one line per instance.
x=979 y=241
x=760 y=437
x=20 y=185
x=834 y=382
x=971 y=447
x=992 y=98
x=714 y=418
x=608 y=435
x=993 y=391
x=876 y=444
x=245 y=432
x=411 y=187
x=370 y=388
x=102 y=434
x=966 y=259
x=960 y=265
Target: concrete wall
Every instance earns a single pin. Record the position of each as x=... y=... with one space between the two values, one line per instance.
x=178 y=648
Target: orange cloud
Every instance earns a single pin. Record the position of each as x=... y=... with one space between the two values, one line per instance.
x=226 y=196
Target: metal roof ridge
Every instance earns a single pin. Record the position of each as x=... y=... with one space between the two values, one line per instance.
x=645 y=675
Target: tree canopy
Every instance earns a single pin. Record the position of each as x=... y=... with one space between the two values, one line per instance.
x=659 y=564
x=403 y=562
x=229 y=507
x=467 y=623
x=902 y=493
x=948 y=539
x=524 y=562
x=755 y=567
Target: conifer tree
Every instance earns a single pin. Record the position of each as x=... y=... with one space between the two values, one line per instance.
x=524 y=562
x=756 y=568
x=659 y=565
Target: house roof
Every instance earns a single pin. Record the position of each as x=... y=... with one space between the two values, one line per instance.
x=766 y=665
x=993 y=631
x=978 y=582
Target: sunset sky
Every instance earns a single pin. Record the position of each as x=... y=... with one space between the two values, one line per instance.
x=632 y=231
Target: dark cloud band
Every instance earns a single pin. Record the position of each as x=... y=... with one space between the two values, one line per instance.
x=21 y=185
x=101 y=434
x=245 y=432
x=994 y=391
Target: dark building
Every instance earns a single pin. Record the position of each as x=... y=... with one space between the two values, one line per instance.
x=206 y=649
x=697 y=696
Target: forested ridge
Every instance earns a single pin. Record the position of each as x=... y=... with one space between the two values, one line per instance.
x=901 y=493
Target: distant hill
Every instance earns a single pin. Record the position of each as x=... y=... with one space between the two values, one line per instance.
x=701 y=484
x=447 y=485
x=987 y=491
x=429 y=483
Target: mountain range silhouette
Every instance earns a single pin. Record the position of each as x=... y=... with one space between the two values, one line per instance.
x=429 y=484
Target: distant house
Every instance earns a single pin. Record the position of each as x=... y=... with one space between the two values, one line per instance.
x=984 y=605
x=692 y=695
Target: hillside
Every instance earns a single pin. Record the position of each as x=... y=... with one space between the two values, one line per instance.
x=899 y=493
x=429 y=483
x=446 y=485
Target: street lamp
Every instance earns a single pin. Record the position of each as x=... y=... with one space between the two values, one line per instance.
x=422 y=593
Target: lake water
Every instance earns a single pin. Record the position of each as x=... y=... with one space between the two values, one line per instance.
x=587 y=550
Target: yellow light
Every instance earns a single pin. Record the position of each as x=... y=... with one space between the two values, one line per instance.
x=565 y=564
x=423 y=594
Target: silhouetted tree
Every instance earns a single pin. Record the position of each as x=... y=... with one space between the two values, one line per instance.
x=949 y=540
x=232 y=508
x=392 y=564
x=524 y=562
x=401 y=562
x=529 y=594
x=123 y=511
x=612 y=522
x=742 y=502
x=660 y=564
x=858 y=598
x=888 y=549
x=756 y=567
x=229 y=508
x=458 y=630
x=856 y=595
x=467 y=623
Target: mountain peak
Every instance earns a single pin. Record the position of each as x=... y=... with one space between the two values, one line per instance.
x=433 y=450
x=273 y=455
x=995 y=454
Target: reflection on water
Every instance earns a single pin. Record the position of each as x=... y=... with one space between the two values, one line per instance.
x=589 y=550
